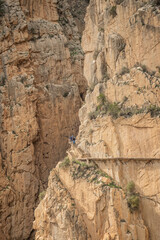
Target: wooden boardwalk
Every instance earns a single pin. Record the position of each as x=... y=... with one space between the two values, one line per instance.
x=118 y=159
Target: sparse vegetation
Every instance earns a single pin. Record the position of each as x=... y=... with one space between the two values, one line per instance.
x=117 y=109
x=132 y=196
x=65 y=163
x=124 y=70
x=112 y=11
x=130 y=187
x=133 y=202
x=154 y=110
x=90 y=172
x=42 y=195
x=101 y=99
x=145 y=69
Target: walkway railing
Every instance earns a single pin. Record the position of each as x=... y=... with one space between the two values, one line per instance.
x=117 y=158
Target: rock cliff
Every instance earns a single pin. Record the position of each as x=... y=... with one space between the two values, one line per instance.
x=41 y=90
x=43 y=73
x=118 y=139
x=95 y=199
x=121 y=45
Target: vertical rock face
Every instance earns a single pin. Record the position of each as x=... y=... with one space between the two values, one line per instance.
x=98 y=202
x=121 y=45
x=41 y=91
x=120 y=118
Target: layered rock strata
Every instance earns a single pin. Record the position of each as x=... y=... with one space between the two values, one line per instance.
x=120 y=119
x=121 y=45
x=41 y=91
x=98 y=201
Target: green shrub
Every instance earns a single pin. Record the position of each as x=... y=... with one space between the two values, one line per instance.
x=126 y=112
x=133 y=202
x=154 y=110
x=130 y=187
x=2 y=10
x=101 y=99
x=112 y=11
x=42 y=195
x=65 y=163
x=114 y=109
x=132 y=197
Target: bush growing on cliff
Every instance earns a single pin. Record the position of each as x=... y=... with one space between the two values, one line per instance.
x=154 y=110
x=42 y=195
x=65 y=163
x=132 y=196
x=112 y=11
x=133 y=202
x=124 y=70
x=101 y=99
x=2 y=10
x=130 y=187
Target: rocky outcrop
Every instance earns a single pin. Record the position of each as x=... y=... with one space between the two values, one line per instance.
x=120 y=117
x=41 y=91
x=98 y=201
x=119 y=127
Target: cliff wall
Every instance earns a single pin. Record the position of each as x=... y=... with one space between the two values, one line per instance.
x=119 y=119
x=98 y=200
x=41 y=90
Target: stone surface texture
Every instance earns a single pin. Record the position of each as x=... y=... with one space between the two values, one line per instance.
x=104 y=211
x=42 y=87
x=41 y=90
x=121 y=43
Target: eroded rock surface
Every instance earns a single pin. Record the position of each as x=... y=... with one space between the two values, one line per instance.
x=41 y=91
x=100 y=204
x=120 y=119
x=121 y=45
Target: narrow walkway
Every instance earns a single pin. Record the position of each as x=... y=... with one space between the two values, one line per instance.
x=118 y=158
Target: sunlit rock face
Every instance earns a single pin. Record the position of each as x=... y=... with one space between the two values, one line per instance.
x=41 y=90
x=120 y=117
x=80 y=204
x=119 y=135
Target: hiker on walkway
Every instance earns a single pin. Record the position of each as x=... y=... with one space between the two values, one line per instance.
x=72 y=139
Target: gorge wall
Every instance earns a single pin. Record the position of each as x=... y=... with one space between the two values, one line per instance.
x=41 y=90
x=119 y=119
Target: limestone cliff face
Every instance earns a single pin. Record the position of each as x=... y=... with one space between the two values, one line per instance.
x=87 y=198
x=121 y=45
x=120 y=119
x=41 y=91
